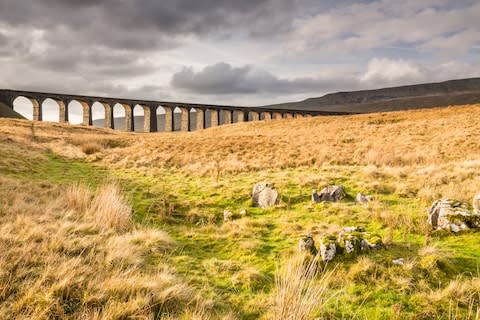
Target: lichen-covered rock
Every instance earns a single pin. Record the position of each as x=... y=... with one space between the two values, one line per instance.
x=371 y=241
x=476 y=203
x=307 y=244
x=362 y=199
x=264 y=195
x=328 y=247
x=329 y=193
x=452 y=215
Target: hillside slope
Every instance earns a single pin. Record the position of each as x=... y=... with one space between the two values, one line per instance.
x=101 y=224
x=6 y=112
x=453 y=92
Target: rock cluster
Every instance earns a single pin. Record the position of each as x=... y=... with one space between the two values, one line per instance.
x=350 y=240
x=453 y=215
x=264 y=195
x=329 y=194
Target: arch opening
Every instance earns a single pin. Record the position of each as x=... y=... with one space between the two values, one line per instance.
x=75 y=112
x=23 y=106
x=192 y=126
x=177 y=119
x=160 y=113
x=50 y=110
x=138 y=118
x=98 y=114
x=119 y=116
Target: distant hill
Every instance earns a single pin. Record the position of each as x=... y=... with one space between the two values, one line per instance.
x=6 y=112
x=453 y=92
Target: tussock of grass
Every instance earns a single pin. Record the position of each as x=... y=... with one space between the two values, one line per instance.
x=298 y=292
x=109 y=209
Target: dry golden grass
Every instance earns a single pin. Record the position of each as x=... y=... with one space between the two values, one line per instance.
x=62 y=257
x=396 y=139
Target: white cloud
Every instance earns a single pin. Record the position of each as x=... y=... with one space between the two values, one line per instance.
x=388 y=71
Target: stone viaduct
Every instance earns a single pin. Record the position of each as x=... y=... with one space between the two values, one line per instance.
x=217 y=114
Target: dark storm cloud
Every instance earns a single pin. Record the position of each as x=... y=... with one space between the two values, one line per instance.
x=148 y=23
x=112 y=37
x=222 y=78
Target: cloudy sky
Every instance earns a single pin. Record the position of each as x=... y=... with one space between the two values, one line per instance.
x=248 y=52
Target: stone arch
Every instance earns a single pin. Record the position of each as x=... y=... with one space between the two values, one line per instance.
x=277 y=115
x=253 y=116
x=197 y=119
x=161 y=115
x=213 y=117
x=74 y=112
x=238 y=116
x=265 y=115
x=225 y=117
x=50 y=110
x=25 y=106
x=143 y=121
x=102 y=115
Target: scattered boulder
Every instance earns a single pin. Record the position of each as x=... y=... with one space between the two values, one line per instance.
x=243 y=213
x=329 y=193
x=307 y=244
x=351 y=240
x=362 y=199
x=476 y=203
x=452 y=215
x=264 y=195
x=399 y=261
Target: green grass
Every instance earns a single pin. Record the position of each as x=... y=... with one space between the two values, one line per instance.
x=234 y=263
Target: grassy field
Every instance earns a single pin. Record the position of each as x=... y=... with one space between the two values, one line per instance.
x=98 y=224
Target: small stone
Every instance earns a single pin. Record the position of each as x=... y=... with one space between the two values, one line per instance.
x=264 y=195
x=361 y=199
x=399 y=261
x=307 y=244
x=227 y=216
x=243 y=213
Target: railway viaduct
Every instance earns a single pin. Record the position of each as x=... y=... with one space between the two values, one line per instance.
x=218 y=114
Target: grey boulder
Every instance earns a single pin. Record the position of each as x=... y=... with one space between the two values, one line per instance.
x=264 y=195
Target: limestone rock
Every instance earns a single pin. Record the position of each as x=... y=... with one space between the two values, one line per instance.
x=362 y=199
x=328 y=247
x=307 y=244
x=476 y=203
x=329 y=193
x=452 y=215
x=243 y=213
x=399 y=261
x=264 y=195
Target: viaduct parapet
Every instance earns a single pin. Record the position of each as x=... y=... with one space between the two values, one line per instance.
x=217 y=114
